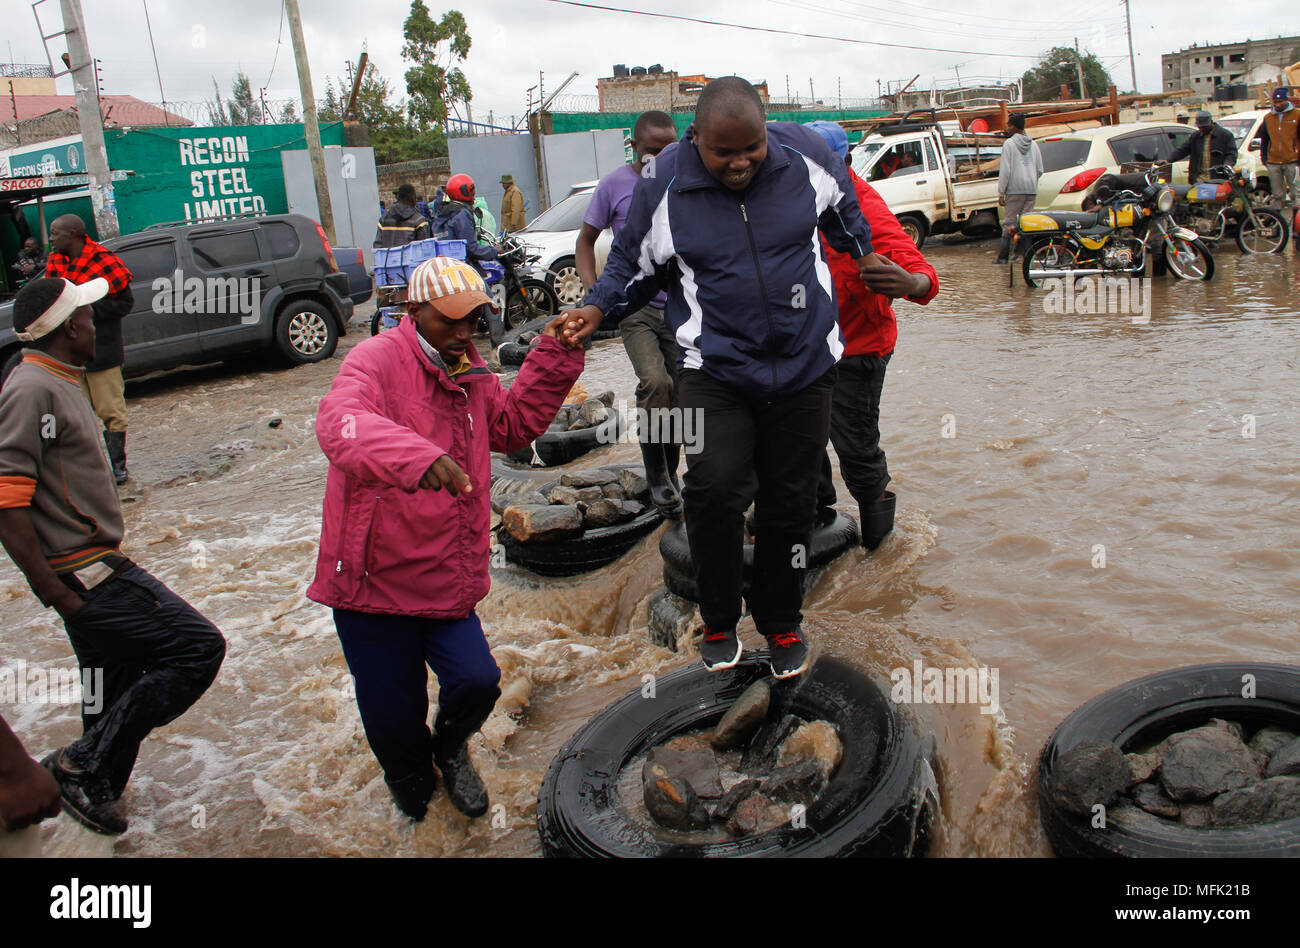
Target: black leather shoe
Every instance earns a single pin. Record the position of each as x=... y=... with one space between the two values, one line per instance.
x=86 y=798
x=465 y=788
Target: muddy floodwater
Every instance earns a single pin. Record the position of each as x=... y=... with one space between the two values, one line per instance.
x=1082 y=500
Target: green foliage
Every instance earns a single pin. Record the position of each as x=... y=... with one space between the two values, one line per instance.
x=385 y=117
x=435 y=83
x=1056 y=67
x=240 y=109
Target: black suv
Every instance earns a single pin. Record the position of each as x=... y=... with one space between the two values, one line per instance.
x=194 y=286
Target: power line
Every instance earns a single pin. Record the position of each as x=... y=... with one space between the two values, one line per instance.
x=279 y=41
x=880 y=20
x=768 y=29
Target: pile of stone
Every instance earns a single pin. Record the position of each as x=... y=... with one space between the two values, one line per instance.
x=590 y=413
x=696 y=783
x=1209 y=776
x=582 y=500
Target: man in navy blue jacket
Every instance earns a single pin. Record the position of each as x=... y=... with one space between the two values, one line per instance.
x=726 y=222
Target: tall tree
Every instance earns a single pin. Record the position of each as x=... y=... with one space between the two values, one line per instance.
x=1057 y=67
x=239 y=109
x=435 y=83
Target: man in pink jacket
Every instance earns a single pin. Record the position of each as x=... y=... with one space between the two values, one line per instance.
x=408 y=426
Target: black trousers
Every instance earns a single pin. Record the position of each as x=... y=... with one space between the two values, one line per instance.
x=762 y=450
x=156 y=654
x=855 y=432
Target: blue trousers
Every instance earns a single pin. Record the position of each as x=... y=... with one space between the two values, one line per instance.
x=387 y=656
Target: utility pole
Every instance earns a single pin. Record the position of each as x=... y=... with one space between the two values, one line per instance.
x=85 y=84
x=1078 y=66
x=812 y=95
x=1128 y=24
x=310 y=126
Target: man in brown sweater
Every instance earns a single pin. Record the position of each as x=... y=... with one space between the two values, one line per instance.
x=61 y=524
x=512 y=205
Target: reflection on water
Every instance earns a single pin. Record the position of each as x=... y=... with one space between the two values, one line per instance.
x=1082 y=501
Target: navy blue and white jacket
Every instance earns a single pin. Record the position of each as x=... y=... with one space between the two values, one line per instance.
x=750 y=297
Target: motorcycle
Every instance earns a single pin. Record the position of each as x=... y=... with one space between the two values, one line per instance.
x=519 y=298
x=1132 y=219
x=1211 y=207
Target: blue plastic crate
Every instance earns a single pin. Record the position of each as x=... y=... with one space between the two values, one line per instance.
x=452 y=248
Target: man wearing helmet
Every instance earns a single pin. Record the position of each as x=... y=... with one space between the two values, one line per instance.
x=454 y=220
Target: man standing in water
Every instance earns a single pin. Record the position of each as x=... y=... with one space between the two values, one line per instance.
x=79 y=259
x=61 y=523
x=646 y=337
x=1018 y=173
x=726 y=221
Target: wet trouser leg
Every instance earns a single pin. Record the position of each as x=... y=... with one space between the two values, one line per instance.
x=855 y=428
x=157 y=654
x=652 y=351
x=387 y=657
x=752 y=448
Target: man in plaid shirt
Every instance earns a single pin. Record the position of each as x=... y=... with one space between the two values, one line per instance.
x=79 y=259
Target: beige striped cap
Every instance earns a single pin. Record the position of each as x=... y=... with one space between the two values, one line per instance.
x=451 y=286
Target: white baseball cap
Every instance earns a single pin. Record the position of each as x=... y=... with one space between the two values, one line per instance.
x=68 y=302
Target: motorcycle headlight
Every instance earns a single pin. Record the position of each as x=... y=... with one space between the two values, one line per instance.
x=1165 y=200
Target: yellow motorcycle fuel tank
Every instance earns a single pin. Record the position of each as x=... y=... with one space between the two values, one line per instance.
x=1122 y=216
x=1037 y=222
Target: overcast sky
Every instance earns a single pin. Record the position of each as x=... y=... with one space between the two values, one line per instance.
x=513 y=39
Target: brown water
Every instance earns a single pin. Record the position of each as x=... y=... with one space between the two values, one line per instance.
x=1070 y=432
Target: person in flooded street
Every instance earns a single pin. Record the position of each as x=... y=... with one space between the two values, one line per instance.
x=1019 y=169
x=727 y=224
x=456 y=220
x=61 y=524
x=1279 y=136
x=870 y=331
x=401 y=222
x=649 y=342
x=77 y=258
x=407 y=426
x=1211 y=147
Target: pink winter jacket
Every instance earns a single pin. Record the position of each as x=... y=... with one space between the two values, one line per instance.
x=386 y=545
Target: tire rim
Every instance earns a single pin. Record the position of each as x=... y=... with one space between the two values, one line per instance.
x=912 y=230
x=307 y=333
x=1186 y=261
x=1262 y=239
x=568 y=286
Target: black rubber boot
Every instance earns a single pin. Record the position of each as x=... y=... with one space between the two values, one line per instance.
x=1004 y=249
x=465 y=788
x=412 y=794
x=878 y=520
x=116 y=443
x=673 y=457
x=662 y=492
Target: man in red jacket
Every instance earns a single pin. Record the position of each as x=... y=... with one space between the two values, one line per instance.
x=870 y=331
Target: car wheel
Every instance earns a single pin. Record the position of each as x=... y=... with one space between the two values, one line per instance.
x=564 y=280
x=305 y=332
x=915 y=227
x=880 y=800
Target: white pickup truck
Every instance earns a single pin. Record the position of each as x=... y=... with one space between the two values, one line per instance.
x=934 y=185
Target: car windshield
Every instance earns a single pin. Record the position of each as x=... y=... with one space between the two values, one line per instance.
x=1061 y=153
x=863 y=154
x=567 y=215
x=1238 y=126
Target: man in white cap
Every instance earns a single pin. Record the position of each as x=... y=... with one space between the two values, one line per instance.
x=408 y=427
x=146 y=654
